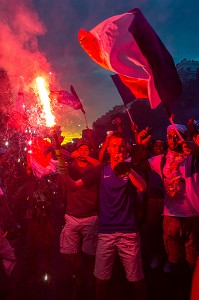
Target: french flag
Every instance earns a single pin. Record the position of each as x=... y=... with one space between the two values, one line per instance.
x=39 y=159
x=125 y=93
x=127 y=45
x=68 y=98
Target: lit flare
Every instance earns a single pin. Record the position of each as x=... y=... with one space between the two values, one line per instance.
x=43 y=95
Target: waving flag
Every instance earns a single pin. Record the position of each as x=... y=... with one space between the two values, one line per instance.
x=127 y=45
x=68 y=98
x=125 y=93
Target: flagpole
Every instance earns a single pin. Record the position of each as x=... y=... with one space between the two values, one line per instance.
x=133 y=125
x=125 y=93
x=85 y=118
x=128 y=112
x=174 y=126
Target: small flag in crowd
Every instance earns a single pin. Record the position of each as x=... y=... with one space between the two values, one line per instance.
x=39 y=159
x=68 y=98
x=126 y=44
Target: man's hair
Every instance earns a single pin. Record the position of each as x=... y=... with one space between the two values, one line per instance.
x=117 y=134
x=161 y=140
x=83 y=142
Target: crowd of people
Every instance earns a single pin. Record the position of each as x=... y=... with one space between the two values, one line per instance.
x=134 y=202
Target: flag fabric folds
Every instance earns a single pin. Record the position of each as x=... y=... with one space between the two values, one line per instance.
x=39 y=159
x=77 y=98
x=163 y=70
x=125 y=93
x=68 y=98
x=126 y=44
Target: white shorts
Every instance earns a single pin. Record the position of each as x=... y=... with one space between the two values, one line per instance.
x=79 y=233
x=128 y=247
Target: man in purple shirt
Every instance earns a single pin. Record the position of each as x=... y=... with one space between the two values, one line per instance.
x=118 y=230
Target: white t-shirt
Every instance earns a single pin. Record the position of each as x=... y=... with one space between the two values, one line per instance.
x=185 y=202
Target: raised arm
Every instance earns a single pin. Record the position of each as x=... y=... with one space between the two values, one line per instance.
x=68 y=182
x=104 y=147
x=93 y=161
x=137 y=181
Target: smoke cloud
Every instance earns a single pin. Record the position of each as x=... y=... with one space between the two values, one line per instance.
x=19 y=52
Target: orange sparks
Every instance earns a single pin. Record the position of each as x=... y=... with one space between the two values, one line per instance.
x=43 y=95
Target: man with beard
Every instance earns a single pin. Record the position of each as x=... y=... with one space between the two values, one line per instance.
x=179 y=169
x=79 y=236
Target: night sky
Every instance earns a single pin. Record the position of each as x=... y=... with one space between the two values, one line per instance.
x=176 y=23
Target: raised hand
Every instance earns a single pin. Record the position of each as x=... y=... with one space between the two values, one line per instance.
x=143 y=136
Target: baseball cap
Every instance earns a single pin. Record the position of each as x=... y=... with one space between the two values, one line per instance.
x=82 y=142
x=182 y=128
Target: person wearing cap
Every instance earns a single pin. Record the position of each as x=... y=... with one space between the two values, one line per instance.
x=179 y=169
x=79 y=234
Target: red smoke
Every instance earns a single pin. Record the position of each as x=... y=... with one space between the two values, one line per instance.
x=19 y=53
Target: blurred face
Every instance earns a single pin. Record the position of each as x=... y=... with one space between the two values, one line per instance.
x=117 y=149
x=83 y=151
x=158 y=147
x=173 y=140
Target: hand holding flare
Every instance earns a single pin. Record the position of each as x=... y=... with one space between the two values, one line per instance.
x=62 y=164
